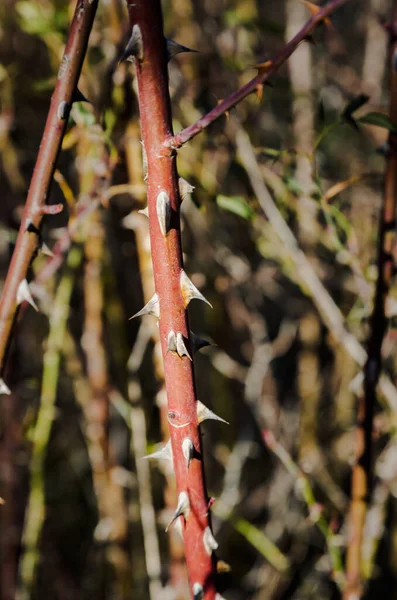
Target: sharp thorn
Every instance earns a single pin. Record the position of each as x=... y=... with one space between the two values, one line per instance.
x=173 y=48
x=144 y=211
x=222 y=567
x=189 y=291
x=151 y=308
x=134 y=48
x=63 y=110
x=31 y=227
x=178 y=527
x=183 y=509
x=164 y=453
x=210 y=543
x=185 y=188
x=78 y=96
x=198 y=591
x=44 y=249
x=163 y=208
x=204 y=413
x=4 y=389
x=180 y=346
x=188 y=451
x=171 y=342
x=197 y=342
x=24 y=294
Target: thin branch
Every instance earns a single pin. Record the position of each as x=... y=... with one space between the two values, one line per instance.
x=28 y=240
x=264 y=73
x=305 y=272
x=362 y=471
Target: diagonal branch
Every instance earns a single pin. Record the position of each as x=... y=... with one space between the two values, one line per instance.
x=28 y=240
x=264 y=72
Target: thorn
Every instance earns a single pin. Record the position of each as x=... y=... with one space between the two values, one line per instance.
x=183 y=509
x=4 y=389
x=310 y=39
x=198 y=591
x=259 y=91
x=173 y=48
x=62 y=110
x=180 y=346
x=188 y=451
x=151 y=308
x=171 y=345
x=189 y=291
x=24 y=294
x=185 y=188
x=223 y=567
x=314 y=9
x=78 y=96
x=164 y=453
x=163 y=208
x=31 y=228
x=44 y=249
x=197 y=342
x=134 y=48
x=51 y=209
x=144 y=211
x=204 y=413
x=262 y=68
x=178 y=527
x=210 y=543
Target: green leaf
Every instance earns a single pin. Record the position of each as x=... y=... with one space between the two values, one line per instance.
x=236 y=205
x=380 y=120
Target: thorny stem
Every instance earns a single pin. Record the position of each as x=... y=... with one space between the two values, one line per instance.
x=362 y=471
x=274 y=64
x=28 y=241
x=156 y=126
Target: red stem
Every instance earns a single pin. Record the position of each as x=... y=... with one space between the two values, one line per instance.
x=35 y=207
x=156 y=126
x=190 y=132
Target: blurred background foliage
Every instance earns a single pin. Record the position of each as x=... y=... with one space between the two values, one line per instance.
x=82 y=515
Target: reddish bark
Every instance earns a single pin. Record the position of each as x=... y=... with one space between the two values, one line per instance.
x=156 y=126
x=28 y=240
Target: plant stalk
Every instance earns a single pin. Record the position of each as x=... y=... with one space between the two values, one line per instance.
x=28 y=240
x=362 y=471
x=156 y=127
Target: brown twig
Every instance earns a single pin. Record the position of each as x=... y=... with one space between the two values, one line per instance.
x=362 y=471
x=265 y=70
x=28 y=240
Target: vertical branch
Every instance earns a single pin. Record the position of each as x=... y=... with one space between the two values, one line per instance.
x=362 y=471
x=133 y=149
x=173 y=293
x=28 y=240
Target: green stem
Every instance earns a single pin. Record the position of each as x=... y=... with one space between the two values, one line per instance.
x=35 y=511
